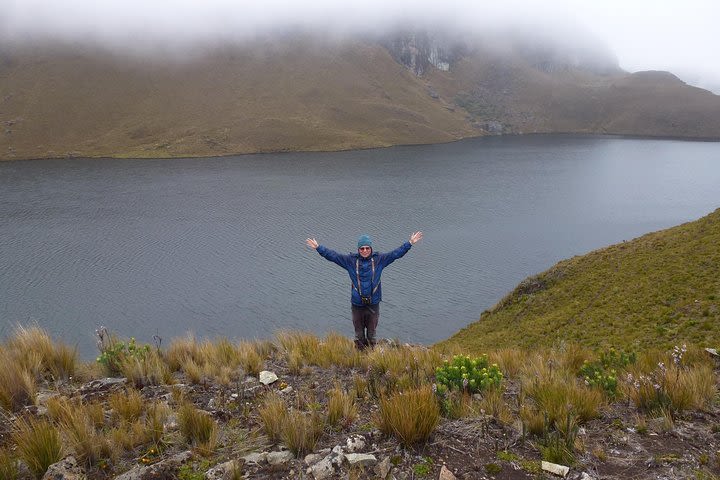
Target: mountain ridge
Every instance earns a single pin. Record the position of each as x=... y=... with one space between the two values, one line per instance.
x=303 y=93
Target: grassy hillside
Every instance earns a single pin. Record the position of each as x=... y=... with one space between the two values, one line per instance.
x=306 y=94
x=659 y=290
x=266 y=97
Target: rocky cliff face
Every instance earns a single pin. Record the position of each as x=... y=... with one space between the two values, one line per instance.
x=419 y=51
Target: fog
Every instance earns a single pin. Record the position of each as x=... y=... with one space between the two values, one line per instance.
x=644 y=35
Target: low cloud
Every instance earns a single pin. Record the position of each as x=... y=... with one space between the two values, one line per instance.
x=659 y=34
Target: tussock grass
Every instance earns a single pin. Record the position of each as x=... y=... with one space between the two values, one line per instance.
x=300 y=431
x=510 y=360
x=410 y=416
x=555 y=391
x=198 y=428
x=672 y=388
x=38 y=444
x=493 y=403
x=88 y=444
x=148 y=369
x=127 y=406
x=417 y=363
x=211 y=361
x=17 y=385
x=342 y=409
x=250 y=357
x=272 y=413
x=307 y=349
x=8 y=466
x=34 y=348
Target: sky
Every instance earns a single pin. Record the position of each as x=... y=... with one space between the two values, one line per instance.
x=679 y=36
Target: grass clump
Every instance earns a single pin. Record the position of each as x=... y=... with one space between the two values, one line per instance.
x=198 y=428
x=39 y=445
x=410 y=416
x=17 y=384
x=272 y=413
x=8 y=466
x=342 y=409
x=127 y=406
x=300 y=431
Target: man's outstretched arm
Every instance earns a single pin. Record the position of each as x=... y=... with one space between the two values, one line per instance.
x=328 y=254
x=390 y=257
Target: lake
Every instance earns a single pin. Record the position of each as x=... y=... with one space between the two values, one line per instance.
x=216 y=246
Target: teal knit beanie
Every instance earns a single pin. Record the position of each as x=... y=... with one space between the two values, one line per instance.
x=364 y=241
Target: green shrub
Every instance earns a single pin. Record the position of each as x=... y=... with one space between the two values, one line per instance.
x=602 y=373
x=468 y=375
x=115 y=353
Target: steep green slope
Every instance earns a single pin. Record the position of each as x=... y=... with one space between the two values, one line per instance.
x=659 y=290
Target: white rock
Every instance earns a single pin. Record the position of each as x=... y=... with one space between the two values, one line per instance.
x=323 y=469
x=383 y=468
x=256 y=457
x=362 y=459
x=355 y=443
x=223 y=471
x=337 y=449
x=286 y=390
x=554 y=468
x=586 y=476
x=266 y=377
x=278 y=458
x=446 y=474
x=312 y=458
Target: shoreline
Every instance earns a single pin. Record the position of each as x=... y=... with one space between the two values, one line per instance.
x=379 y=147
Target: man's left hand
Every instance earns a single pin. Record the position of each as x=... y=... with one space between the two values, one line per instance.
x=415 y=237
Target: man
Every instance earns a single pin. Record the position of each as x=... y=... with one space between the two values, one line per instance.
x=365 y=268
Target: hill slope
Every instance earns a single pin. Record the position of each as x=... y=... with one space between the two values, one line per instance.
x=659 y=290
x=305 y=93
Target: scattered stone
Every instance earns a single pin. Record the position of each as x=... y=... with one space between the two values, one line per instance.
x=286 y=390
x=446 y=474
x=312 y=458
x=712 y=352
x=355 y=443
x=323 y=469
x=102 y=385
x=256 y=457
x=65 y=469
x=279 y=458
x=586 y=476
x=165 y=469
x=383 y=468
x=362 y=459
x=555 y=469
x=171 y=422
x=338 y=450
x=224 y=471
x=267 y=377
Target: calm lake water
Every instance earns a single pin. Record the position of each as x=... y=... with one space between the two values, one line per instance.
x=216 y=246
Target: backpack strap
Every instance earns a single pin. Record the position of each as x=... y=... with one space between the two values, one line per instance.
x=372 y=279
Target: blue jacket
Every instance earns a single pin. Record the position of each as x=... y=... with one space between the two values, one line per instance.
x=368 y=284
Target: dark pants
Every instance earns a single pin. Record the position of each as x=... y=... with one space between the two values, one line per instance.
x=365 y=319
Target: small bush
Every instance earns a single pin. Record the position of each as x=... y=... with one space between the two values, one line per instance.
x=410 y=416
x=39 y=445
x=250 y=359
x=36 y=350
x=115 y=353
x=145 y=369
x=469 y=375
